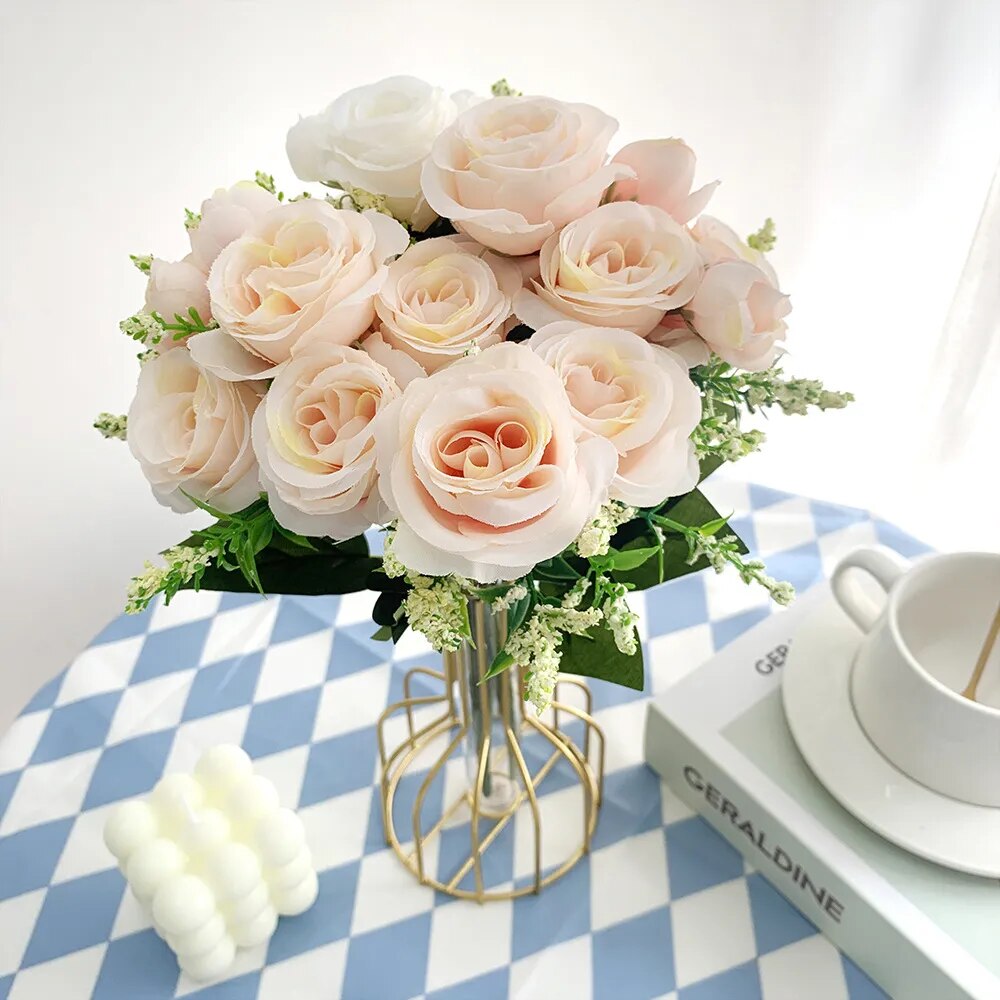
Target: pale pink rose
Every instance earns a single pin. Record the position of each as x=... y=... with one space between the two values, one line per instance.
x=399 y=365
x=175 y=287
x=664 y=170
x=443 y=297
x=481 y=465
x=226 y=216
x=306 y=271
x=622 y=265
x=740 y=314
x=376 y=138
x=717 y=241
x=675 y=333
x=190 y=432
x=512 y=171
x=636 y=395
x=314 y=436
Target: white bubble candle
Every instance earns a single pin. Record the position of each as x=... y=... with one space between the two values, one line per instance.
x=215 y=860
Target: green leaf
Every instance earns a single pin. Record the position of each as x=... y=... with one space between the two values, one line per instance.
x=260 y=534
x=598 y=656
x=708 y=465
x=518 y=612
x=377 y=580
x=281 y=543
x=399 y=627
x=631 y=558
x=201 y=505
x=245 y=560
x=713 y=527
x=647 y=570
x=357 y=546
x=693 y=510
x=297 y=540
x=501 y=662
x=490 y=594
x=384 y=634
x=309 y=574
x=388 y=603
x=556 y=568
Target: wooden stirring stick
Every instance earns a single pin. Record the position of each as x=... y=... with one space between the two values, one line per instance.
x=984 y=655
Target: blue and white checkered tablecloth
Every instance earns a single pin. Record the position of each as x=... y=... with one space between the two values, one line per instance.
x=662 y=907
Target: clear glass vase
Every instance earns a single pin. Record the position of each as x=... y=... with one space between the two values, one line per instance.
x=491 y=709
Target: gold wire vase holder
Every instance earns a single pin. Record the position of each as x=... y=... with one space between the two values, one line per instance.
x=475 y=743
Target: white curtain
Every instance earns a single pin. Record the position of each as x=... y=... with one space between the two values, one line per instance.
x=965 y=377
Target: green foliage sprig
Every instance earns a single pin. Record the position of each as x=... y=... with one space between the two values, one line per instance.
x=503 y=89
x=720 y=383
x=765 y=237
x=183 y=327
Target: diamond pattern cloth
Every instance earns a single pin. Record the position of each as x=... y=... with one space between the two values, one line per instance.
x=661 y=908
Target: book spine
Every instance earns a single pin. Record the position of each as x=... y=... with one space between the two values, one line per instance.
x=895 y=962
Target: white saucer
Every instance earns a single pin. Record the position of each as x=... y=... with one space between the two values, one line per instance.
x=816 y=694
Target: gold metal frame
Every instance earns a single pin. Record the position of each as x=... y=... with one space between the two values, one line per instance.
x=515 y=720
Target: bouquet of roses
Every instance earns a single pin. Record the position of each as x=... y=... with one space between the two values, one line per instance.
x=516 y=353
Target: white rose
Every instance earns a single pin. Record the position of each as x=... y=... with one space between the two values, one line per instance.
x=306 y=270
x=622 y=265
x=512 y=171
x=226 y=216
x=481 y=465
x=443 y=297
x=190 y=432
x=717 y=241
x=174 y=288
x=636 y=395
x=675 y=333
x=664 y=172
x=740 y=314
x=376 y=138
x=314 y=438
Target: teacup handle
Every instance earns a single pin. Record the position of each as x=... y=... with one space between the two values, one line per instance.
x=883 y=564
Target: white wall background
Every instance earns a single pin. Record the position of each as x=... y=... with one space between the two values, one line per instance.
x=869 y=130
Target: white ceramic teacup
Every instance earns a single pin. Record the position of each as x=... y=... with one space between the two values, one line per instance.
x=921 y=647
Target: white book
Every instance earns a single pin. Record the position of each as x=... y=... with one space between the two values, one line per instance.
x=719 y=739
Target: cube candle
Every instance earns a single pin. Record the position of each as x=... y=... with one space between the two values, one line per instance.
x=214 y=859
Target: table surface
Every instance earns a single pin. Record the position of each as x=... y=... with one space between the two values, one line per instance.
x=661 y=908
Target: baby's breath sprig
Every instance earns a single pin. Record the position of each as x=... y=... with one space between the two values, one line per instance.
x=509 y=597
x=620 y=618
x=232 y=543
x=111 y=425
x=142 y=328
x=719 y=436
x=437 y=607
x=596 y=536
x=183 y=565
x=721 y=383
x=191 y=219
x=536 y=645
x=724 y=551
x=149 y=328
x=143 y=262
